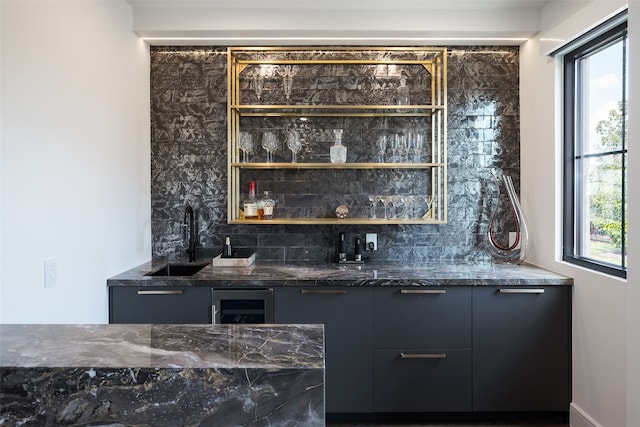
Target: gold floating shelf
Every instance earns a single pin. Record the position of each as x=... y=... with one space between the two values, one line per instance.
x=266 y=75
x=336 y=110
x=335 y=221
x=336 y=165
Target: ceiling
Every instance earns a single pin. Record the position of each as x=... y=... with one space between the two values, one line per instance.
x=389 y=22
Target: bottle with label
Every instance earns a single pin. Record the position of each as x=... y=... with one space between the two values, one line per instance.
x=227 y=251
x=267 y=204
x=251 y=203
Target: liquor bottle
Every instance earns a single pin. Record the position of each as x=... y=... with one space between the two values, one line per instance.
x=251 y=203
x=227 y=251
x=267 y=203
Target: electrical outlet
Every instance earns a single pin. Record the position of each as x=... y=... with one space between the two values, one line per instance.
x=371 y=242
x=50 y=272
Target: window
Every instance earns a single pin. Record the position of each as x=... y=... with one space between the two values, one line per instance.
x=595 y=149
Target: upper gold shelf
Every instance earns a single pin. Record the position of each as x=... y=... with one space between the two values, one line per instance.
x=336 y=110
x=361 y=165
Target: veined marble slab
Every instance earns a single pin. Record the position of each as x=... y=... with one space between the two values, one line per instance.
x=162 y=375
x=368 y=274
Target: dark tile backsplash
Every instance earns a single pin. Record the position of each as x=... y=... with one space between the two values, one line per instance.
x=189 y=163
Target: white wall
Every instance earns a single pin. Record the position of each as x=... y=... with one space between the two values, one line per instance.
x=600 y=302
x=74 y=156
x=633 y=293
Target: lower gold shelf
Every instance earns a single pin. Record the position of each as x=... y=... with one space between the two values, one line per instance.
x=336 y=221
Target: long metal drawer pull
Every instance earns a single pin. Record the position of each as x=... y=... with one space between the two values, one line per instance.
x=173 y=292
x=521 y=291
x=423 y=291
x=423 y=355
x=324 y=291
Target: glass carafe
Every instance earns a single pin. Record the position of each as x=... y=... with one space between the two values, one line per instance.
x=338 y=152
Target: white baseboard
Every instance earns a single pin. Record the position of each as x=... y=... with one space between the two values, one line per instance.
x=579 y=418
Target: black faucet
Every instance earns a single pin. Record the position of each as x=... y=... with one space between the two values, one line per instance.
x=191 y=249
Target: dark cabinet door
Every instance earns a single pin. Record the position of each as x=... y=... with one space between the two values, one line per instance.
x=423 y=353
x=521 y=348
x=347 y=317
x=160 y=305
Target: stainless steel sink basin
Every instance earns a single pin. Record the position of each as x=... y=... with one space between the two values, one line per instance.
x=172 y=269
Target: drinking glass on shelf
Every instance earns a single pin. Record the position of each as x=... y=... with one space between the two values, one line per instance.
x=404 y=204
x=395 y=146
x=294 y=143
x=270 y=144
x=410 y=143
x=429 y=200
x=287 y=81
x=258 y=84
x=386 y=200
x=382 y=147
x=245 y=144
x=418 y=145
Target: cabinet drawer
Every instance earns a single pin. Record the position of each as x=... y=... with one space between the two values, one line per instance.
x=160 y=305
x=422 y=380
x=422 y=317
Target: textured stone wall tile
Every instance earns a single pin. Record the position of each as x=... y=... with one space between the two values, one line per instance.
x=188 y=127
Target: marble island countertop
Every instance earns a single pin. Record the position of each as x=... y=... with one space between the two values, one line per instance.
x=162 y=346
x=327 y=274
x=162 y=375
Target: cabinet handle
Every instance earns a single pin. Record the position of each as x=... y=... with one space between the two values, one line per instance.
x=521 y=291
x=173 y=292
x=323 y=291
x=423 y=355
x=423 y=291
x=214 y=313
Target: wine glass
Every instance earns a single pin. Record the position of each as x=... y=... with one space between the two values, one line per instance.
x=287 y=82
x=418 y=145
x=395 y=145
x=294 y=143
x=382 y=147
x=410 y=144
x=386 y=200
x=246 y=145
x=258 y=84
x=404 y=203
x=270 y=144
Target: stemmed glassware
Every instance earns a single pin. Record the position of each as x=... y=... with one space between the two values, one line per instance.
x=245 y=144
x=375 y=200
x=258 y=84
x=395 y=146
x=270 y=144
x=382 y=147
x=294 y=143
x=287 y=82
x=386 y=200
x=418 y=145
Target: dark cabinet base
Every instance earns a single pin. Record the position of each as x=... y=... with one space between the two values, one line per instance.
x=422 y=380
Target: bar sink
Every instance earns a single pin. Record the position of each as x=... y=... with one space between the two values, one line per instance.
x=172 y=269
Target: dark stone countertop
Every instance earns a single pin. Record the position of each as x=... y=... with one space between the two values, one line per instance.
x=162 y=375
x=163 y=346
x=271 y=274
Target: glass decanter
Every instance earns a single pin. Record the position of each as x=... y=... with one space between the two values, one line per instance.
x=338 y=152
